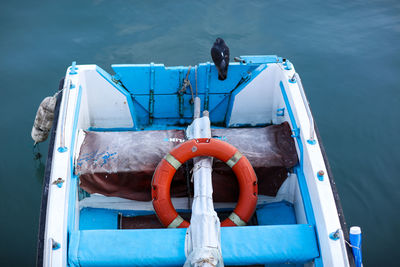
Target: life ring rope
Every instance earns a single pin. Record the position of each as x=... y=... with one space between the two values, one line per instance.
x=163 y=175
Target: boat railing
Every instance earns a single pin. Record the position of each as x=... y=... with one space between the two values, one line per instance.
x=311 y=139
x=62 y=147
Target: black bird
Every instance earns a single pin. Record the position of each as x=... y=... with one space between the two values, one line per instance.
x=220 y=56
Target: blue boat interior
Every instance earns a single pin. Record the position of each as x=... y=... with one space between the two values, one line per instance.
x=149 y=87
x=160 y=99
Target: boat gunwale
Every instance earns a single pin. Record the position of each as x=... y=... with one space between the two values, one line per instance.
x=46 y=179
x=336 y=197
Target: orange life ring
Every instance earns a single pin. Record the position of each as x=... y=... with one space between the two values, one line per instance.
x=161 y=182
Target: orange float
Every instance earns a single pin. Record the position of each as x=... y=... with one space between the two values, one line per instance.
x=161 y=182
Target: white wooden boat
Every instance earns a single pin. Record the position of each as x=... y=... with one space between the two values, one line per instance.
x=101 y=207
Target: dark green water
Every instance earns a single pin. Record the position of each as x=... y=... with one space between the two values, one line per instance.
x=347 y=53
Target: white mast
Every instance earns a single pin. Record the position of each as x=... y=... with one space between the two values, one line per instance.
x=203 y=238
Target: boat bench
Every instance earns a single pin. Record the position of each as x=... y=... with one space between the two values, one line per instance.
x=165 y=247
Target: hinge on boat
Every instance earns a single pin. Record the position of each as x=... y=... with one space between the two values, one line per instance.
x=296 y=132
x=288 y=65
x=116 y=79
x=334 y=235
x=59 y=182
x=293 y=79
x=73 y=69
x=245 y=76
x=239 y=59
x=151 y=100
x=280 y=112
x=320 y=175
x=55 y=245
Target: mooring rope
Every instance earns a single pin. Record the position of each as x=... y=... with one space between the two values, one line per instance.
x=187 y=83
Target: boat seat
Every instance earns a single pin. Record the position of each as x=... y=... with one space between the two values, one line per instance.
x=276 y=213
x=122 y=164
x=165 y=247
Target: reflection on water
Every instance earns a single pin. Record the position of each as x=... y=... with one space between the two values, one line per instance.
x=346 y=52
x=38 y=163
x=37 y=156
x=39 y=170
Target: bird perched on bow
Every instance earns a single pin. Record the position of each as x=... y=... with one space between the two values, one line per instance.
x=220 y=56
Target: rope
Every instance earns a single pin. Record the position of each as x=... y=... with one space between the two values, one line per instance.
x=59 y=91
x=187 y=83
x=191 y=90
x=196 y=168
x=350 y=245
x=197 y=196
x=62 y=90
x=209 y=261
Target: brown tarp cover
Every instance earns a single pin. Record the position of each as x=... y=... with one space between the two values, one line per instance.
x=121 y=164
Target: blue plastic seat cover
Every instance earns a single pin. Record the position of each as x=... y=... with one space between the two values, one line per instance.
x=165 y=247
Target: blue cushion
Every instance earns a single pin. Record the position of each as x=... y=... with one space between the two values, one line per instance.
x=165 y=247
x=276 y=214
x=96 y=219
